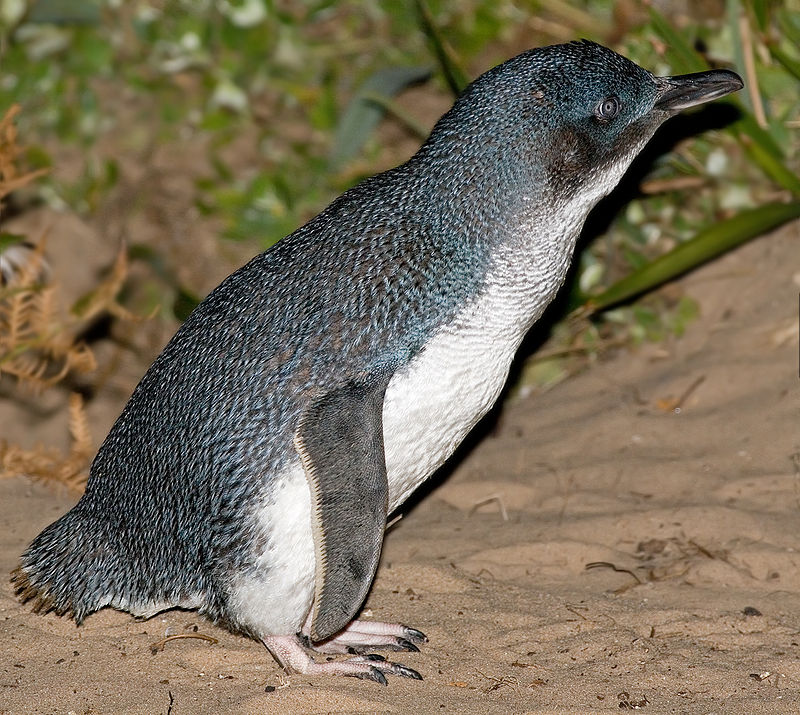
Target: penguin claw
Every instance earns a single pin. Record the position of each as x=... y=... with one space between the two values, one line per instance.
x=384 y=667
x=403 y=644
x=405 y=671
x=414 y=635
x=372 y=674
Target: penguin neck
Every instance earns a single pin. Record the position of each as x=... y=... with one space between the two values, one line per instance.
x=530 y=259
x=535 y=219
x=512 y=218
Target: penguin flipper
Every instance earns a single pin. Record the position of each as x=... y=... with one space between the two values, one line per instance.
x=340 y=443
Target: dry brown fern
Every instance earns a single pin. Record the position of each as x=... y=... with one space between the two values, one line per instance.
x=38 y=343
x=43 y=462
x=10 y=177
x=104 y=296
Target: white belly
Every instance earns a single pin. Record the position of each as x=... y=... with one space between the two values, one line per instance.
x=433 y=403
x=275 y=596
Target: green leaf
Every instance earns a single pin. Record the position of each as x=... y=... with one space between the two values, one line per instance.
x=709 y=243
x=790 y=27
x=765 y=152
x=790 y=64
x=682 y=56
x=366 y=110
x=686 y=312
x=64 y=12
x=9 y=239
x=398 y=113
x=760 y=10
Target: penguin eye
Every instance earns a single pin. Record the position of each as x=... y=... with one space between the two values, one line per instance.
x=608 y=108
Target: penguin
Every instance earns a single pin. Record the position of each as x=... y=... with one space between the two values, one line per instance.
x=306 y=397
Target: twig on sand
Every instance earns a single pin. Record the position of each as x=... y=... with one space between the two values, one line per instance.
x=497 y=683
x=613 y=567
x=158 y=646
x=488 y=500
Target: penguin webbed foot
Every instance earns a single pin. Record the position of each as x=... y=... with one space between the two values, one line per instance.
x=360 y=637
x=289 y=651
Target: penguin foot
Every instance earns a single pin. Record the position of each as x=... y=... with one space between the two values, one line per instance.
x=289 y=652
x=360 y=637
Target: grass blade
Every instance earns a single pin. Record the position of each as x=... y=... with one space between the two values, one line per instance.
x=760 y=10
x=765 y=152
x=393 y=109
x=790 y=64
x=707 y=244
x=454 y=73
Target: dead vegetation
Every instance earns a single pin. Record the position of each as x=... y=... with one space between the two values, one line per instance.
x=39 y=336
x=50 y=463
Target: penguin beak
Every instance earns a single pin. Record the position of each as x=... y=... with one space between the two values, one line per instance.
x=689 y=90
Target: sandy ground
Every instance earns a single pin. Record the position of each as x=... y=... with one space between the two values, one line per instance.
x=691 y=514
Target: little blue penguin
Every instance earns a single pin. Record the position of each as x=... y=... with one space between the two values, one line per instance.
x=251 y=472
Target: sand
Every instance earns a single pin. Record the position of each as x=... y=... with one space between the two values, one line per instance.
x=691 y=516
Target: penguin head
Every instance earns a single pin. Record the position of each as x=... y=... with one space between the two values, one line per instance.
x=569 y=118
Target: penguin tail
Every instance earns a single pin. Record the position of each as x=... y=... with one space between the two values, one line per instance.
x=58 y=571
